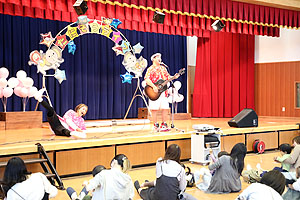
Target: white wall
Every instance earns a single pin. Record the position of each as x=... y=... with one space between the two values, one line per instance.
x=281 y=49
x=267 y=49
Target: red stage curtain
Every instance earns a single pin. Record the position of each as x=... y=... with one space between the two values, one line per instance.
x=192 y=17
x=224 y=78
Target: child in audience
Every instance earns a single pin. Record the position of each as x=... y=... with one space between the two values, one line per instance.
x=203 y=183
x=114 y=183
x=285 y=150
x=294 y=158
x=271 y=186
x=228 y=171
x=21 y=184
x=84 y=193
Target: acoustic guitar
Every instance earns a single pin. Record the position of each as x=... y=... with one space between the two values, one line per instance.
x=161 y=86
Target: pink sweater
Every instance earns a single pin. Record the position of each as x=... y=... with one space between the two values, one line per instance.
x=74 y=121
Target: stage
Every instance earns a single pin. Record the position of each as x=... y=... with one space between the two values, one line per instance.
x=136 y=140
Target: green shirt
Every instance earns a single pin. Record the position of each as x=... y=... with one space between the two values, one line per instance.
x=284 y=165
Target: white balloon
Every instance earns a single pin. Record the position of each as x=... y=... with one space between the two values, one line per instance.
x=177 y=85
x=27 y=82
x=24 y=92
x=3 y=82
x=144 y=84
x=21 y=74
x=32 y=91
x=7 y=92
x=13 y=82
x=4 y=72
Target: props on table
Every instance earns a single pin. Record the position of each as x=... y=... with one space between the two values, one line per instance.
x=72 y=47
x=60 y=75
x=127 y=77
x=45 y=61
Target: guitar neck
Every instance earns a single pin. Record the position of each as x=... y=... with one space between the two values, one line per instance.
x=169 y=80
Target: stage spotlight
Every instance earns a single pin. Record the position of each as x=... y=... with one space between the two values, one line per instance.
x=80 y=7
x=217 y=25
x=159 y=17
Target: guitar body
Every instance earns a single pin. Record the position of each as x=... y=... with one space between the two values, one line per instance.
x=155 y=95
x=161 y=86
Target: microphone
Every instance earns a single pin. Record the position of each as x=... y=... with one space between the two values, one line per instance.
x=163 y=64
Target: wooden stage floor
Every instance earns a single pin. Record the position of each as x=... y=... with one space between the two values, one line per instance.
x=24 y=140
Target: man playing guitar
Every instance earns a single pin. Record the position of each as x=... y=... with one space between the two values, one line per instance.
x=155 y=72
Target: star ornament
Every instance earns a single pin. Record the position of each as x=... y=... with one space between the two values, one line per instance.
x=115 y=23
x=46 y=39
x=60 y=75
x=127 y=77
x=82 y=20
x=118 y=49
x=71 y=47
x=138 y=48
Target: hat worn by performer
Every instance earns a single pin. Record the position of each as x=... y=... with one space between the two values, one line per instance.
x=154 y=55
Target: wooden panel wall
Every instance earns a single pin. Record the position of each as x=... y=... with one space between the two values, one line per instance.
x=185 y=146
x=275 y=88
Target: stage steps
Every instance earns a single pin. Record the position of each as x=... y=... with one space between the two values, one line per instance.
x=45 y=162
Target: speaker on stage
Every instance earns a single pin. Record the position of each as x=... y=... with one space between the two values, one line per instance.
x=80 y=7
x=246 y=118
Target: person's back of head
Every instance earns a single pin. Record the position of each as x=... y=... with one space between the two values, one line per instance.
x=173 y=152
x=223 y=153
x=238 y=153
x=122 y=161
x=275 y=180
x=286 y=148
x=97 y=170
x=296 y=140
x=15 y=172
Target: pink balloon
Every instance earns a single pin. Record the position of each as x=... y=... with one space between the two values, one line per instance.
x=20 y=83
x=4 y=72
x=27 y=82
x=32 y=91
x=3 y=82
x=1 y=92
x=17 y=91
x=24 y=92
x=7 y=92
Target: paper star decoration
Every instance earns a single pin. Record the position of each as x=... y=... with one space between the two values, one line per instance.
x=47 y=39
x=125 y=46
x=71 y=47
x=127 y=77
x=60 y=75
x=138 y=48
x=118 y=49
x=115 y=23
x=82 y=20
x=106 y=20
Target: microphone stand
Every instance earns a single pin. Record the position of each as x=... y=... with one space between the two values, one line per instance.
x=172 y=107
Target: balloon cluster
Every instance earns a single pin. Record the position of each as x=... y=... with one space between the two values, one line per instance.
x=22 y=86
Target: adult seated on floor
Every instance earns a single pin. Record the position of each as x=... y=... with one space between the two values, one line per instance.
x=271 y=186
x=19 y=184
x=170 y=182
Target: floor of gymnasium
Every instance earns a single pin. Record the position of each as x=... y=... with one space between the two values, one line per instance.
x=148 y=173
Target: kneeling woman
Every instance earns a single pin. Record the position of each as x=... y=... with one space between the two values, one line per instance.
x=21 y=184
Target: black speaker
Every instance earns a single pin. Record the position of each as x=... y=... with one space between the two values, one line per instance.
x=80 y=7
x=246 y=118
x=159 y=17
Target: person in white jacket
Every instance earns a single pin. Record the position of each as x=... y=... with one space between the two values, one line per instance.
x=114 y=183
x=271 y=187
x=19 y=184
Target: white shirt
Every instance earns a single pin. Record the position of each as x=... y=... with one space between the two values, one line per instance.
x=258 y=191
x=171 y=168
x=296 y=185
x=32 y=188
x=111 y=184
